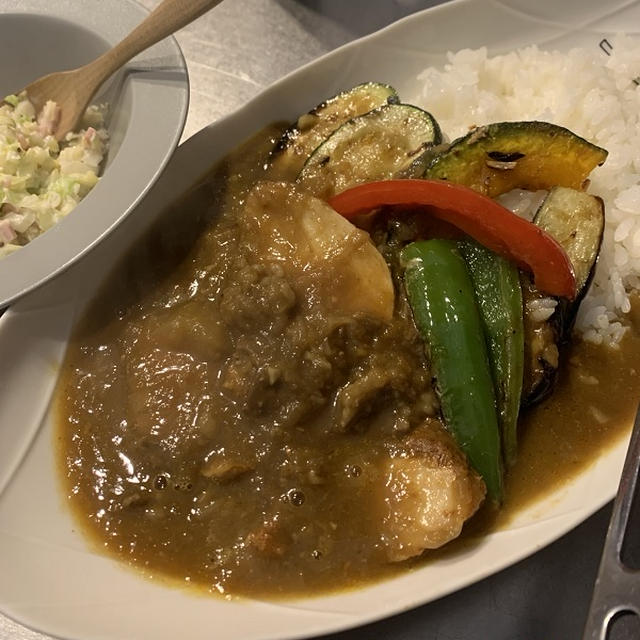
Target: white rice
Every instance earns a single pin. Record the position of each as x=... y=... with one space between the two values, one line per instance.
x=541 y=309
x=594 y=96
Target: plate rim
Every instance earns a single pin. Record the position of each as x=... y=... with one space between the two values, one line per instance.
x=391 y=609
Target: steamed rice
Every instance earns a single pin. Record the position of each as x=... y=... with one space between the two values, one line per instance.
x=594 y=96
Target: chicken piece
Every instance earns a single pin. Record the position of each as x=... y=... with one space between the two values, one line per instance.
x=429 y=492
x=327 y=259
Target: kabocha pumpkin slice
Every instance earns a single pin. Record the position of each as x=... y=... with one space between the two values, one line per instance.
x=498 y=157
x=298 y=142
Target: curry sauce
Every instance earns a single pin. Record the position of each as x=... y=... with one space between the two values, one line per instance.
x=241 y=414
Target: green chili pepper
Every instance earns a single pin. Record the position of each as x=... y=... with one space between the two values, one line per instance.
x=499 y=297
x=443 y=302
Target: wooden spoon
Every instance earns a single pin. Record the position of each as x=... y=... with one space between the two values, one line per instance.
x=72 y=90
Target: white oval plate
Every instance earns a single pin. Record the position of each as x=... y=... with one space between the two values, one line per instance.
x=51 y=579
x=148 y=102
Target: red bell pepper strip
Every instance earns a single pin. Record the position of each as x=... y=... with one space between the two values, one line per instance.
x=483 y=219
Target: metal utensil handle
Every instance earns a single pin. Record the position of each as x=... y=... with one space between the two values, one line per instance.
x=617 y=588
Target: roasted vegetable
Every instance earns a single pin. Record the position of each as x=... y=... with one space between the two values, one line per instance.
x=576 y=220
x=497 y=287
x=537 y=155
x=480 y=217
x=442 y=299
x=506 y=155
x=298 y=141
x=541 y=344
x=386 y=143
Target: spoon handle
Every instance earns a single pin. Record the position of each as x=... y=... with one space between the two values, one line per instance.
x=165 y=19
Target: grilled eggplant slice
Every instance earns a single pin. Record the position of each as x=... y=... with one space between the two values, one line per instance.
x=298 y=141
x=388 y=142
x=576 y=220
x=503 y=156
x=541 y=343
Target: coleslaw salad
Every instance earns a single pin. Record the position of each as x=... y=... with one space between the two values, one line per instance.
x=41 y=179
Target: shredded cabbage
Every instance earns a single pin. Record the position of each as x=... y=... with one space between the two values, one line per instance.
x=41 y=180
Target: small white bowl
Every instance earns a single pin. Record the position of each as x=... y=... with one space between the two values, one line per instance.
x=147 y=99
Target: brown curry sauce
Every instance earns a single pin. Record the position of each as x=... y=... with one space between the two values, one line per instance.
x=588 y=412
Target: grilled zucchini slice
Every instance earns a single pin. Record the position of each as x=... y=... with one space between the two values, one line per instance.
x=576 y=220
x=298 y=142
x=389 y=142
x=507 y=155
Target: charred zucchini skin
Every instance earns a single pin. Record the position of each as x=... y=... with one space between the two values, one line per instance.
x=298 y=142
x=496 y=158
x=385 y=143
x=576 y=220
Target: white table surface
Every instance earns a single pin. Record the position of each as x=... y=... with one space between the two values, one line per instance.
x=234 y=52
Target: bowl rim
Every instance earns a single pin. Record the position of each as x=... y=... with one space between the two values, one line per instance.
x=156 y=79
